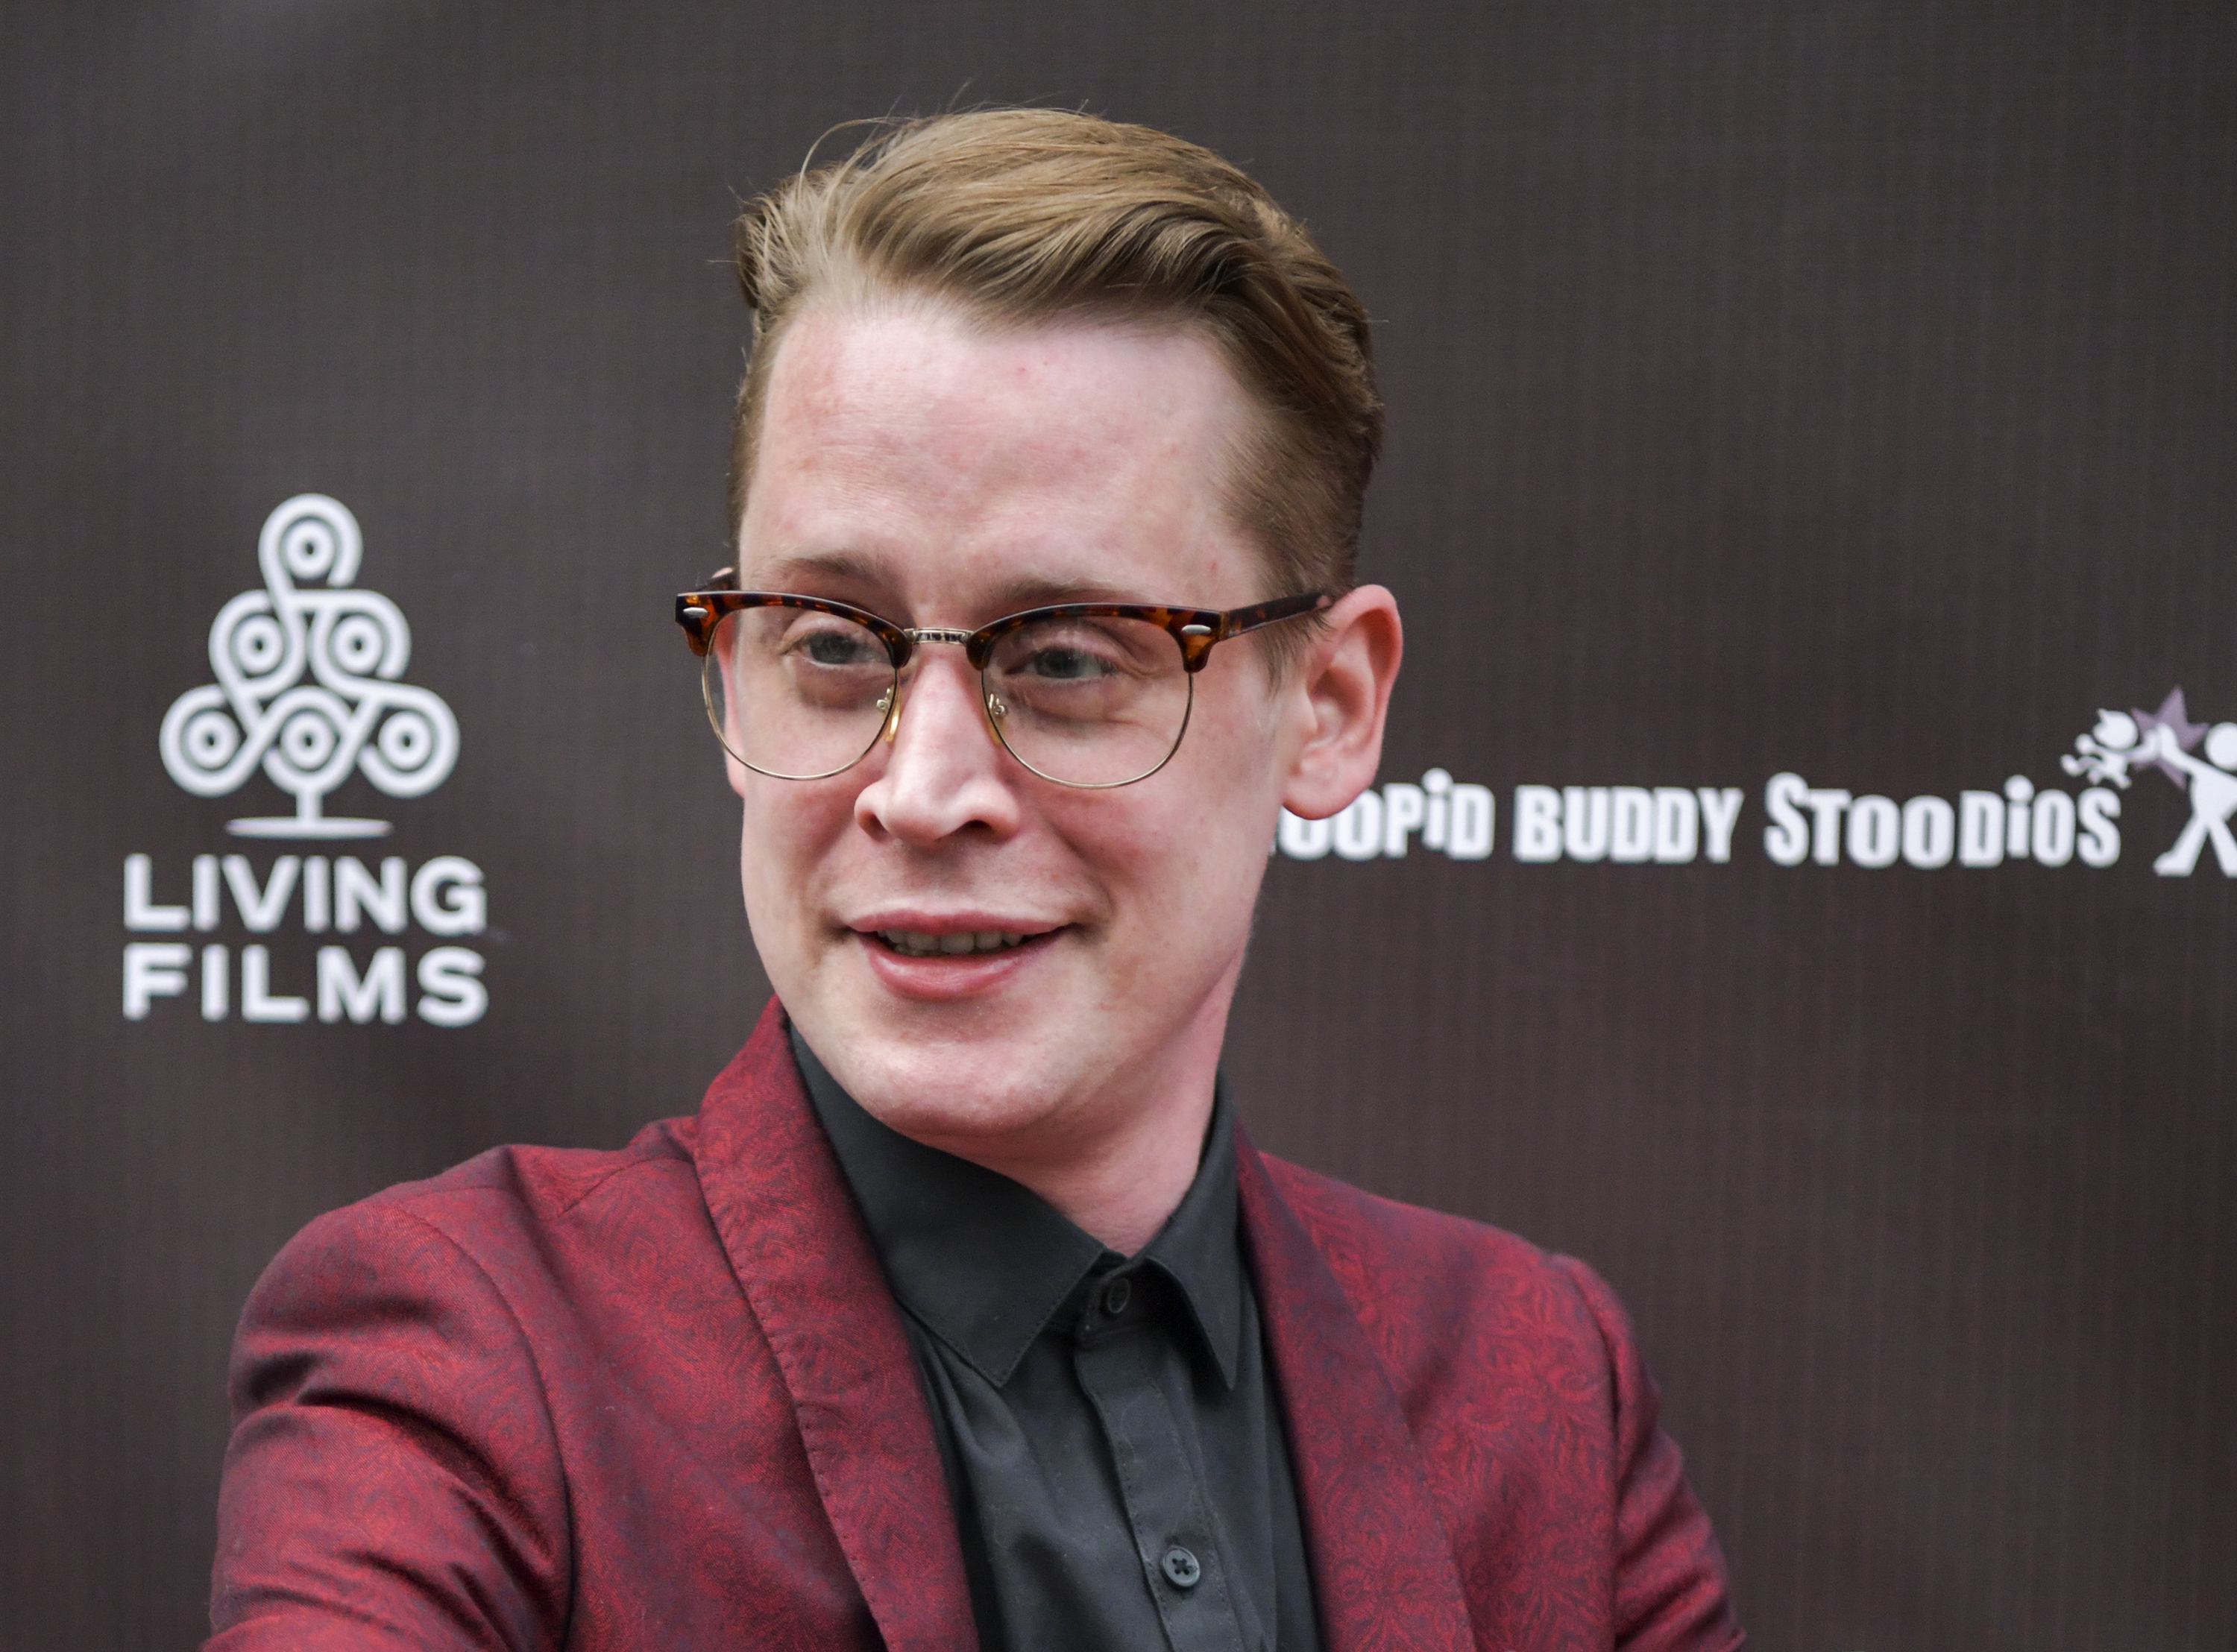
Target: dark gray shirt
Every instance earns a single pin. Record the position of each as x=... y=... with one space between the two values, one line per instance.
x=1108 y=1425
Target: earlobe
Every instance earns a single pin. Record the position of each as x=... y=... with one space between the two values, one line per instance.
x=1343 y=685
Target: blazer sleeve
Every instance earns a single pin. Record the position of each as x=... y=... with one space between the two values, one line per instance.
x=1671 y=1594
x=393 y=1478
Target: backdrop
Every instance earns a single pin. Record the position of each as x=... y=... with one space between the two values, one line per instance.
x=1801 y=883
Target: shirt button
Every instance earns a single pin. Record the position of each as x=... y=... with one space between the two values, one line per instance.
x=1182 y=1567
x=1117 y=1295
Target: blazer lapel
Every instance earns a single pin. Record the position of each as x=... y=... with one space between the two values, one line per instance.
x=809 y=1272
x=1384 y=1574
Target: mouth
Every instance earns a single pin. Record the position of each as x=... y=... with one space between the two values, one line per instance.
x=963 y=942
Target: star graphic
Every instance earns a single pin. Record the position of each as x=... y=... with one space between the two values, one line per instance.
x=2174 y=716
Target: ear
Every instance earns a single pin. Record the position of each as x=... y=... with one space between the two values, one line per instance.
x=1339 y=691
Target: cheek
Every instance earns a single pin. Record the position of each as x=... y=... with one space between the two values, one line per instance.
x=790 y=833
x=1183 y=852
x=1233 y=794
x=1227 y=760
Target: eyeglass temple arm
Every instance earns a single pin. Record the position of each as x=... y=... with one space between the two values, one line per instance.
x=1197 y=638
x=1236 y=621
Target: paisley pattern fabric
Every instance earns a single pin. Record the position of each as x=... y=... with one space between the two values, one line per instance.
x=660 y=1399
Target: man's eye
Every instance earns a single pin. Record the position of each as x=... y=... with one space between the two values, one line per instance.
x=835 y=646
x=1067 y=665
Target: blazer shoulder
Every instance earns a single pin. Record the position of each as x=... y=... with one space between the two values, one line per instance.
x=512 y=1220
x=1374 y=1229
x=1413 y=1274
x=541 y=1185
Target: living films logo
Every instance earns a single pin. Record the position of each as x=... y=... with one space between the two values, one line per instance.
x=2073 y=816
x=309 y=690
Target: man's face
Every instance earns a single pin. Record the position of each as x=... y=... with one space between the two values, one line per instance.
x=940 y=476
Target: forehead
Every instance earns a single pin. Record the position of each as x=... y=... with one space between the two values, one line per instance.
x=1090 y=455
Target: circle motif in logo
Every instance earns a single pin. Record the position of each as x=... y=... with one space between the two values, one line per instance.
x=259 y=644
x=211 y=740
x=407 y=740
x=307 y=740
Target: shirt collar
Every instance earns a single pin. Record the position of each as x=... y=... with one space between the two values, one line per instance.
x=985 y=1263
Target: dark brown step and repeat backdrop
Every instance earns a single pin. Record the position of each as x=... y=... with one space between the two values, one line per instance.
x=1801 y=879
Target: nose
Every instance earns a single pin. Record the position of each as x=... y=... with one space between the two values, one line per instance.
x=944 y=770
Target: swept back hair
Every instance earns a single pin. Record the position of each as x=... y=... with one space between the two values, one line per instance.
x=1024 y=216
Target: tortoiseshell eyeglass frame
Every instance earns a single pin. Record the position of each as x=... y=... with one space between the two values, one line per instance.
x=1196 y=630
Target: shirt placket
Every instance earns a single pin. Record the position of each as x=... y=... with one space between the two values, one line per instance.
x=1166 y=1509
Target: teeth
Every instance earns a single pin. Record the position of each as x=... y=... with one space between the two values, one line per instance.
x=917 y=943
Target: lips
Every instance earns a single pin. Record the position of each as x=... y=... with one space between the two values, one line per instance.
x=950 y=957
x=916 y=943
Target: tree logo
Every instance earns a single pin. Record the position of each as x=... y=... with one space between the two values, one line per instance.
x=352 y=712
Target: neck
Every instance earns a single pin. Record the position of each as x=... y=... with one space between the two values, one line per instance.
x=1122 y=1189
x=1118 y=1165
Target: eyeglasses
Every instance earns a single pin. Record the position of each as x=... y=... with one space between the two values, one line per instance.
x=1091 y=694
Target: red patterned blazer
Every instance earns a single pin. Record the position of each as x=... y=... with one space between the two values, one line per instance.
x=661 y=1400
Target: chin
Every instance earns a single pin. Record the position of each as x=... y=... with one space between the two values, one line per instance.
x=933 y=1102
x=896 y=1045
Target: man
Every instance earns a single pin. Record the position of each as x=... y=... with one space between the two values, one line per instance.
x=963 y=1313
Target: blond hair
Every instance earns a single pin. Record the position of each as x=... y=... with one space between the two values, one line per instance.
x=1029 y=216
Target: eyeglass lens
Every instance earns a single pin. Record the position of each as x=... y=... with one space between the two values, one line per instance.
x=1086 y=702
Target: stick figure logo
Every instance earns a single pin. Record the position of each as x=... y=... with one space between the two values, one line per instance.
x=2165 y=739
x=353 y=713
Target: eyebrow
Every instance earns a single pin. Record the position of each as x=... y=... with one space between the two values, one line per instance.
x=867 y=569
x=829 y=564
